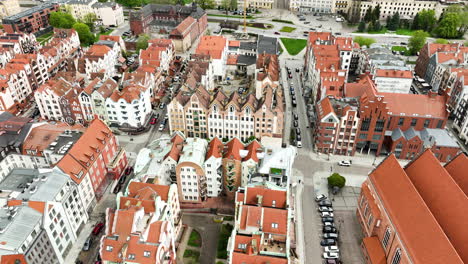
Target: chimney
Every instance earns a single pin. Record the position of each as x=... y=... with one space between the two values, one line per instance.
x=259 y=200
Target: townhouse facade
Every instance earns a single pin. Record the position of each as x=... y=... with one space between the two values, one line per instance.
x=389 y=236
x=102 y=59
x=107 y=14
x=159 y=54
x=216 y=47
x=201 y=114
x=9 y=8
x=266 y=73
x=30 y=20
x=313 y=6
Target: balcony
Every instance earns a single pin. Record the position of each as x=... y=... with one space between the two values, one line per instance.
x=273 y=248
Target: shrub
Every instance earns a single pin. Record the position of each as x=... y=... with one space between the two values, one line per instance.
x=336 y=180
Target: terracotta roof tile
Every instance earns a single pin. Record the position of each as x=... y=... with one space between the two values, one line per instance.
x=240 y=258
x=374 y=250
x=215 y=148
x=458 y=168
x=232 y=149
x=268 y=196
x=13 y=259
x=269 y=65
x=252 y=149
x=135 y=188
x=213 y=46
x=275 y=221
x=394 y=74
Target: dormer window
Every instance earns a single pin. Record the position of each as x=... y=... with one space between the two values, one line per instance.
x=109 y=248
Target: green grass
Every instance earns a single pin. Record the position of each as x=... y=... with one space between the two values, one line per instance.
x=294 y=46
x=195 y=239
x=219 y=262
x=287 y=29
x=282 y=21
x=193 y=255
x=216 y=15
x=406 y=32
x=382 y=31
x=224 y=235
x=44 y=38
x=399 y=48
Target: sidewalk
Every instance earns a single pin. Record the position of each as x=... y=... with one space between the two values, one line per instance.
x=183 y=244
x=357 y=159
x=300 y=247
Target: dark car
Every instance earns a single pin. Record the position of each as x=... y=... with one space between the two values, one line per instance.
x=294 y=104
x=329 y=229
x=277 y=33
x=128 y=170
x=298 y=131
x=289 y=76
x=117 y=188
x=298 y=137
x=296 y=117
x=292 y=92
x=328 y=242
x=122 y=179
x=97 y=228
x=328 y=219
x=298 y=70
x=325 y=203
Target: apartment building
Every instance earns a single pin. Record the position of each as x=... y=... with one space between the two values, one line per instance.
x=16 y=43
x=439 y=64
x=159 y=54
x=429 y=50
x=200 y=70
x=377 y=56
x=213 y=167
x=16 y=87
x=393 y=81
x=257 y=4
x=93 y=162
x=262 y=229
x=107 y=14
x=31 y=20
x=266 y=73
x=216 y=47
x=393 y=197
x=9 y=8
x=100 y=59
x=144 y=227
x=312 y=6
x=43 y=215
x=336 y=126
x=57 y=99
x=185 y=23
x=201 y=114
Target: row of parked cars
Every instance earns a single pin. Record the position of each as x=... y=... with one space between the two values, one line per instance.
x=329 y=242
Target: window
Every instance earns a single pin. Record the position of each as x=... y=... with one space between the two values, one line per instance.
x=379 y=125
x=274 y=225
x=426 y=123
x=369 y=221
x=273 y=203
x=401 y=121
x=242 y=246
x=366 y=210
x=397 y=257
x=147 y=254
x=131 y=256
x=413 y=122
x=439 y=125
x=386 y=237
x=109 y=248
x=365 y=124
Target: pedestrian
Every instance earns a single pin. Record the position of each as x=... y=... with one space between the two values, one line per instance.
x=331 y=168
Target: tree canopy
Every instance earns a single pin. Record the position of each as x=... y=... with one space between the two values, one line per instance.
x=336 y=180
x=132 y=3
x=363 y=41
x=417 y=41
x=362 y=26
x=86 y=37
x=61 y=20
x=206 y=4
x=142 y=42
x=449 y=25
x=393 y=22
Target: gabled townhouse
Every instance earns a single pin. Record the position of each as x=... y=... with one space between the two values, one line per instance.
x=160 y=54
x=94 y=161
x=15 y=87
x=17 y=43
x=95 y=96
x=202 y=114
x=386 y=221
x=200 y=70
x=262 y=230
x=100 y=59
x=217 y=48
x=58 y=99
x=266 y=73
x=30 y=20
x=39 y=65
x=428 y=51
x=149 y=80
x=61 y=51
x=144 y=227
x=45 y=212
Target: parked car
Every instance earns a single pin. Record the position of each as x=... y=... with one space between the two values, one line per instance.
x=97 y=228
x=331 y=249
x=290 y=76
x=87 y=244
x=128 y=170
x=153 y=121
x=295 y=123
x=331 y=255
x=299 y=144
x=298 y=132
x=296 y=117
x=325 y=209
x=162 y=105
x=292 y=92
x=298 y=137
x=329 y=224
x=325 y=203
x=277 y=33
x=298 y=70
x=328 y=219
x=330 y=235
x=329 y=229
x=328 y=242
x=161 y=127
x=326 y=214
x=294 y=104
x=345 y=163
x=319 y=197
x=307 y=22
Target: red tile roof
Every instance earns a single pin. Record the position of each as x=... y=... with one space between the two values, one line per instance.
x=232 y=59
x=314 y=36
x=268 y=196
x=420 y=104
x=135 y=189
x=275 y=221
x=250 y=216
x=215 y=148
x=13 y=259
x=234 y=43
x=253 y=147
x=232 y=149
x=374 y=250
x=394 y=74
x=324 y=108
x=176 y=148
x=269 y=65
x=446 y=200
x=252 y=244
x=415 y=224
x=457 y=168
x=213 y=46
x=240 y=258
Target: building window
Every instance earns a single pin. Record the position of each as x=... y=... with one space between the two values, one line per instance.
x=397 y=257
x=366 y=210
x=242 y=246
x=365 y=124
x=440 y=123
x=147 y=254
x=413 y=122
x=386 y=237
x=274 y=225
x=401 y=121
x=109 y=248
x=379 y=125
x=369 y=221
x=131 y=256
x=426 y=123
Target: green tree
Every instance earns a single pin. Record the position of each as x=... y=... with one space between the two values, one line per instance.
x=449 y=25
x=465 y=44
x=362 y=26
x=441 y=41
x=394 y=22
x=225 y=5
x=376 y=13
x=377 y=26
x=336 y=180
x=363 y=41
x=142 y=42
x=415 y=24
x=462 y=12
x=233 y=4
x=368 y=15
x=417 y=41
x=61 y=20
x=86 y=37
x=132 y=3
x=89 y=20
x=205 y=4
x=426 y=20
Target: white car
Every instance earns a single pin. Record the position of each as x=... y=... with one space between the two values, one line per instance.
x=320 y=197
x=345 y=163
x=325 y=209
x=299 y=144
x=328 y=224
x=331 y=249
x=331 y=255
x=326 y=214
x=161 y=127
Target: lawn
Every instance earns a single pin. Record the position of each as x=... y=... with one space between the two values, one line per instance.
x=195 y=239
x=382 y=31
x=216 y=15
x=282 y=21
x=224 y=235
x=294 y=46
x=193 y=255
x=406 y=32
x=399 y=48
x=44 y=38
x=287 y=29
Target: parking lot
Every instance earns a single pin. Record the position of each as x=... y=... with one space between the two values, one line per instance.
x=346 y=199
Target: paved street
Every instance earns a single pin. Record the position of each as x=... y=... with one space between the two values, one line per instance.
x=209 y=230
